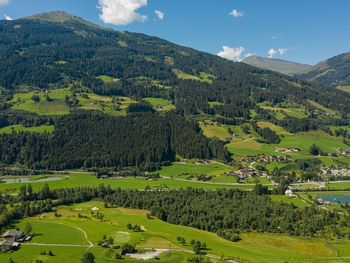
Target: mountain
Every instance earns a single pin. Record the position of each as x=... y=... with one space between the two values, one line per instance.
x=55 y=50
x=278 y=65
x=332 y=72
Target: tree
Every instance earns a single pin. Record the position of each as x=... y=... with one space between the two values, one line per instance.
x=315 y=150
x=128 y=248
x=28 y=229
x=35 y=98
x=88 y=257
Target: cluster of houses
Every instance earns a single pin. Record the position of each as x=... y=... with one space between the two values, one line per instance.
x=266 y=159
x=336 y=172
x=12 y=240
x=343 y=152
x=287 y=150
x=245 y=173
x=202 y=162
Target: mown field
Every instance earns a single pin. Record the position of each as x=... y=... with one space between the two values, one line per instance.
x=57 y=105
x=80 y=180
x=86 y=228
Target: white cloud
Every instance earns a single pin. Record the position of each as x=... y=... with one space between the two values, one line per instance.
x=8 y=18
x=236 y=13
x=248 y=55
x=4 y=2
x=282 y=51
x=231 y=53
x=121 y=12
x=159 y=14
x=272 y=52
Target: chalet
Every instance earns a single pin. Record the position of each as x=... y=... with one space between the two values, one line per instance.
x=289 y=193
x=343 y=152
x=18 y=236
x=202 y=162
x=266 y=159
x=8 y=245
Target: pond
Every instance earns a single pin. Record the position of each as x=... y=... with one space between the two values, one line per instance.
x=17 y=180
x=343 y=199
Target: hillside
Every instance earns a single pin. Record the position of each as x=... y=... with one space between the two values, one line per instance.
x=332 y=72
x=56 y=65
x=278 y=65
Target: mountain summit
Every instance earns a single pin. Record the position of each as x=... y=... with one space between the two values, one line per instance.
x=278 y=65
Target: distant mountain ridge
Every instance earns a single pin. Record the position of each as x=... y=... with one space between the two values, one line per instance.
x=278 y=65
x=332 y=72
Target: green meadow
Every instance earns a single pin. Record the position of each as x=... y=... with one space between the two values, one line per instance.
x=81 y=230
x=21 y=128
x=81 y=180
x=160 y=104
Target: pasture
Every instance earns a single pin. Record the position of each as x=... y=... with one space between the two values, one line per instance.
x=254 y=247
x=21 y=128
x=160 y=104
x=81 y=180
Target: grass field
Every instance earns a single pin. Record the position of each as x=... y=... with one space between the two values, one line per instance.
x=344 y=88
x=253 y=247
x=303 y=141
x=280 y=113
x=279 y=130
x=203 y=77
x=57 y=105
x=321 y=107
x=80 y=180
x=21 y=128
x=160 y=104
x=213 y=130
x=107 y=79
x=23 y=101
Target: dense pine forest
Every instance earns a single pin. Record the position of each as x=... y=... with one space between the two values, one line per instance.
x=95 y=140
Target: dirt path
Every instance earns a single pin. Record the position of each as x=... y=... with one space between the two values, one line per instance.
x=81 y=230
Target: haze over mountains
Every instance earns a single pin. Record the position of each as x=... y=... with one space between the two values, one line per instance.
x=333 y=72
x=278 y=65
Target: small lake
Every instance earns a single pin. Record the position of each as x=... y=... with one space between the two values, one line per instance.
x=29 y=180
x=343 y=199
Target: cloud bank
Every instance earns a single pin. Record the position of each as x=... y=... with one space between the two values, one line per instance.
x=121 y=12
x=8 y=18
x=230 y=53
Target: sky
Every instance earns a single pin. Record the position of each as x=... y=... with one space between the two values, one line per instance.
x=305 y=31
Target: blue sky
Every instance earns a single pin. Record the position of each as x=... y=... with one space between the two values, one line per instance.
x=306 y=31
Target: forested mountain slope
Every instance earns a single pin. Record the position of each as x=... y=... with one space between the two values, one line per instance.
x=57 y=50
x=331 y=72
x=278 y=65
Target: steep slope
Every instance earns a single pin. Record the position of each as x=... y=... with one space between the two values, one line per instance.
x=56 y=50
x=331 y=72
x=278 y=65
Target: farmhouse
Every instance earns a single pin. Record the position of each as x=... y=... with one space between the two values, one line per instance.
x=8 y=245
x=202 y=162
x=289 y=194
x=245 y=173
x=287 y=150
x=336 y=172
x=343 y=152
x=18 y=236
x=266 y=159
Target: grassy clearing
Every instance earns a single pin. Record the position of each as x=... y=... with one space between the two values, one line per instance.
x=321 y=107
x=344 y=88
x=21 y=128
x=295 y=201
x=215 y=103
x=290 y=111
x=107 y=79
x=303 y=141
x=203 y=77
x=57 y=105
x=279 y=130
x=214 y=130
x=177 y=169
x=253 y=247
x=160 y=104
